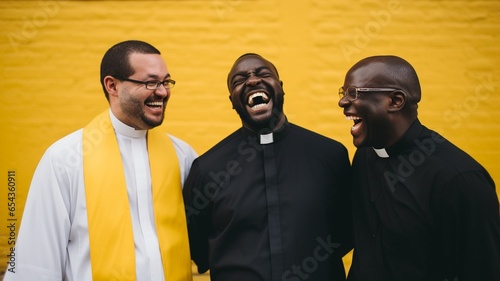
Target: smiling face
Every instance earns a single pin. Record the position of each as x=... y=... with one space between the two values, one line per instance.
x=132 y=103
x=375 y=113
x=256 y=92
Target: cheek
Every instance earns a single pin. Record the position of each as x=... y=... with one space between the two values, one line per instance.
x=275 y=85
x=236 y=96
x=375 y=120
x=372 y=107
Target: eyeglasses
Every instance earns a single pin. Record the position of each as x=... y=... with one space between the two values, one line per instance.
x=152 y=85
x=351 y=93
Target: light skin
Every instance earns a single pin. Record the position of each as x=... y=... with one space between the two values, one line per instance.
x=256 y=93
x=133 y=103
x=379 y=117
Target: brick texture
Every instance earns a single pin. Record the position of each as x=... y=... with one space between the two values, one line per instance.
x=50 y=53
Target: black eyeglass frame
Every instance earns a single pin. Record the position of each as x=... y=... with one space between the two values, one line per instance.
x=342 y=92
x=152 y=85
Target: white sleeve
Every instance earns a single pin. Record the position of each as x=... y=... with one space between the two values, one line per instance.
x=45 y=226
x=186 y=155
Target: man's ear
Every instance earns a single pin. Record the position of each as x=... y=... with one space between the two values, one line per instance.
x=398 y=101
x=110 y=85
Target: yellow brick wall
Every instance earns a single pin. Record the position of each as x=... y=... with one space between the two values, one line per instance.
x=50 y=53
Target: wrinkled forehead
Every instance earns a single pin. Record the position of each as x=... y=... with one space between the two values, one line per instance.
x=250 y=63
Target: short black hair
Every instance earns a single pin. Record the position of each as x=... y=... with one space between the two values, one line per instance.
x=116 y=61
x=256 y=55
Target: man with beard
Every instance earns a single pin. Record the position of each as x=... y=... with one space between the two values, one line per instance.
x=424 y=210
x=271 y=200
x=105 y=202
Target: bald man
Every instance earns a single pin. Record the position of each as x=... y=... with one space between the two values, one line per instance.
x=423 y=209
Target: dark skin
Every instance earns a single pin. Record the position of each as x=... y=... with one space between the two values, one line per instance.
x=256 y=93
x=384 y=116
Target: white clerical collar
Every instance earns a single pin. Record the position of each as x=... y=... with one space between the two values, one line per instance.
x=381 y=152
x=124 y=129
x=266 y=139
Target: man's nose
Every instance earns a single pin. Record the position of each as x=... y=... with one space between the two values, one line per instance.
x=343 y=102
x=253 y=80
x=162 y=91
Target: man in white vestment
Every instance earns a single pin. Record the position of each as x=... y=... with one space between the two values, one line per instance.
x=111 y=215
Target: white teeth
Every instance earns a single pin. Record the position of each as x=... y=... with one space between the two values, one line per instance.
x=259 y=105
x=264 y=97
x=355 y=127
x=350 y=117
x=156 y=103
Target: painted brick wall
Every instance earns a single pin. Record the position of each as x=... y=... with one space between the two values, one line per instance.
x=50 y=53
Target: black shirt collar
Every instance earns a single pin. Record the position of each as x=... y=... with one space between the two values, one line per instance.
x=407 y=142
x=266 y=136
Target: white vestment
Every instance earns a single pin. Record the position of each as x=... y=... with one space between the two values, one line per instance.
x=53 y=240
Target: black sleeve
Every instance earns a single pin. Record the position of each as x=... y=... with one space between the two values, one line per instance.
x=198 y=208
x=468 y=224
x=343 y=210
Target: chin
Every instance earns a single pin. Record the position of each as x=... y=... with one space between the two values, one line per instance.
x=267 y=120
x=254 y=122
x=152 y=123
x=360 y=143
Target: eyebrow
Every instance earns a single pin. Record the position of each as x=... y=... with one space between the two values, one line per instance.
x=154 y=76
x=257 y=70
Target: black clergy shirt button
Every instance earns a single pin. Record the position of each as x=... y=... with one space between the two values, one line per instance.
x=373 y=235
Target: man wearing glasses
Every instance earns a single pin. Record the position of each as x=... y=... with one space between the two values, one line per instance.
x=423 y=209
x=105 y=202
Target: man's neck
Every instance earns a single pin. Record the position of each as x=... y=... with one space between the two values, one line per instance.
x=274 y=125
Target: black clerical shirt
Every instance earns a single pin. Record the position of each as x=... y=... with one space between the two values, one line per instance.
x=424 y=210
x=270 y=207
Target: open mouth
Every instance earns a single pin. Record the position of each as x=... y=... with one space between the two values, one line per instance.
x=258 y=99
x=357 y=122
x=154 y=104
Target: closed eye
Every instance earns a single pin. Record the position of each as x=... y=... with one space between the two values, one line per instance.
x=237 y=81
x=152 y=83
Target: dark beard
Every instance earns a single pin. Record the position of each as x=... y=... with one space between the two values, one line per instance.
x=152 y=123
x=264 y=126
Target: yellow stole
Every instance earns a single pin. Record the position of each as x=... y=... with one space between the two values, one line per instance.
x=112 y=251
